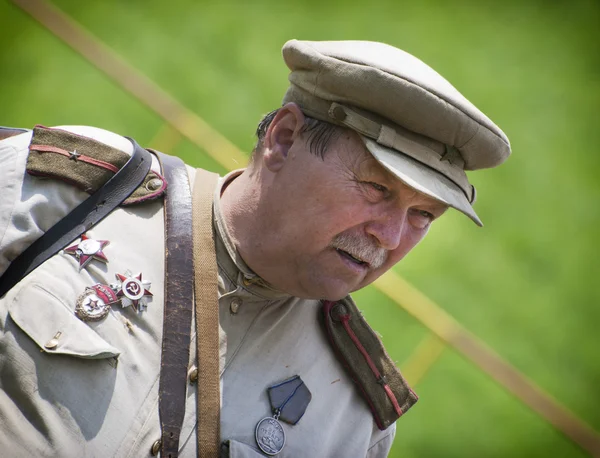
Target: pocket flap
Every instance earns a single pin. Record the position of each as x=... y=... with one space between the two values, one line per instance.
x=42 y=316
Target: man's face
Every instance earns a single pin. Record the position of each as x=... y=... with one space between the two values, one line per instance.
x=333 y=226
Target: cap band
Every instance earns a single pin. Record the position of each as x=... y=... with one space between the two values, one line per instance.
x=449 y=163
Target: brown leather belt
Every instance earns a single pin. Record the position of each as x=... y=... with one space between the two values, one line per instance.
x=179 y=300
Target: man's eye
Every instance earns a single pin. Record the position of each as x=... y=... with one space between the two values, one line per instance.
x=421 y=219
x=378 y=187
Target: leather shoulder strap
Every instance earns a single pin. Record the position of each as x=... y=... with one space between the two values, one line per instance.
x=362 y=353
x=87 y=214
x=178 y=306
x=207 y=315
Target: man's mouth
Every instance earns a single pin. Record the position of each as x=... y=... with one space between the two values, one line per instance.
x=352 y=258
x=359 y=250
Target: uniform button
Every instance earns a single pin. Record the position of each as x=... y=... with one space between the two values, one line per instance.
x=235 y=305
x=155 y=448
x=193 y=374
x=154 y=184
x=53 y=343
x=339 y=113
x=338 y=312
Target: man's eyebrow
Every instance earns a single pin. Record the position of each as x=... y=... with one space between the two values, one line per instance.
x=370 y=166
x=440 y=209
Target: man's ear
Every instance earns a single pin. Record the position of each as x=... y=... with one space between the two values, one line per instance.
x=283 y=131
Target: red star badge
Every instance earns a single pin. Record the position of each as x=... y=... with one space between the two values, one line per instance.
x=133 y=291
x=88 y=249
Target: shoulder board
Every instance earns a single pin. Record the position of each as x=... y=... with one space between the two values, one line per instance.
x=84 y=162
x=365 y=358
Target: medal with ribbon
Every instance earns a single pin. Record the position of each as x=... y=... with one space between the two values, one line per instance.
x=94 y=304
x=289 y=400
x=96 y=301
x=132 y=290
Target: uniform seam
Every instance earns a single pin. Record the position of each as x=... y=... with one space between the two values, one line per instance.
x=230 y=359
x=379 y=441
x=146 y=421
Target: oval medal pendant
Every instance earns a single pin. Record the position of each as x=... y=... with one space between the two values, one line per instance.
x=270 y=436
x=94 y=304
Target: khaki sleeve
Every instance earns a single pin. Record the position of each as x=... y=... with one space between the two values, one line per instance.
x=13 y=156
x=381 y=448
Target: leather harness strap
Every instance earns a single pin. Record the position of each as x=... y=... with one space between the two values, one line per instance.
x=207 y=315
x=87 y=214
x=188 y=224
x=178 y=306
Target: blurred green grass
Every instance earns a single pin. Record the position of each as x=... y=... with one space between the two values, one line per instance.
x=525 y=284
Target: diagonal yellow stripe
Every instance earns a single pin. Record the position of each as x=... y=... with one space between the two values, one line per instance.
x=425 y=355
x=166 y=139
x=189 y=124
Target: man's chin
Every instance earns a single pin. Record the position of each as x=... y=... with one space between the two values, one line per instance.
x=325 y=293
x=337 y=292
x=330 y=288
x=335 y=297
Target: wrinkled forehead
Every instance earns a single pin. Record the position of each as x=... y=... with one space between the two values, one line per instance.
x=350 y=149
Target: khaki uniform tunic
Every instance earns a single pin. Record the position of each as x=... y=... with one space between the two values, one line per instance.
x=95 y=394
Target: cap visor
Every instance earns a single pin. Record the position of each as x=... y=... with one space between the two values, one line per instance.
x=422 y=178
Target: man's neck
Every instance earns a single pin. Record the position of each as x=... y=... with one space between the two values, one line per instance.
x=246 y=211
x=239 y=209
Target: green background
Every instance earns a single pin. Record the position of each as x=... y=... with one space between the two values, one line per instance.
x=526 y=283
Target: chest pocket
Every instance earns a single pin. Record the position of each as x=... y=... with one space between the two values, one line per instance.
x=41 y=315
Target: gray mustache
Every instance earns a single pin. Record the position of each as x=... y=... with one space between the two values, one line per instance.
x=360 y=247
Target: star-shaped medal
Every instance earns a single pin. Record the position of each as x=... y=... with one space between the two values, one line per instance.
x=133 y=291
x=88 y=249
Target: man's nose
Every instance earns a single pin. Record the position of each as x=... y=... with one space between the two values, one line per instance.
x=387 y=229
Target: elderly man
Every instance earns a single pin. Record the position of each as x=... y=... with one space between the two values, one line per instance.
x=368 y=149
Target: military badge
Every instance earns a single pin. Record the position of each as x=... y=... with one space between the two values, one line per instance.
x=270 y=436
x=88 y=249
x=94 y=304
x=132 y=290
x=289 y=400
